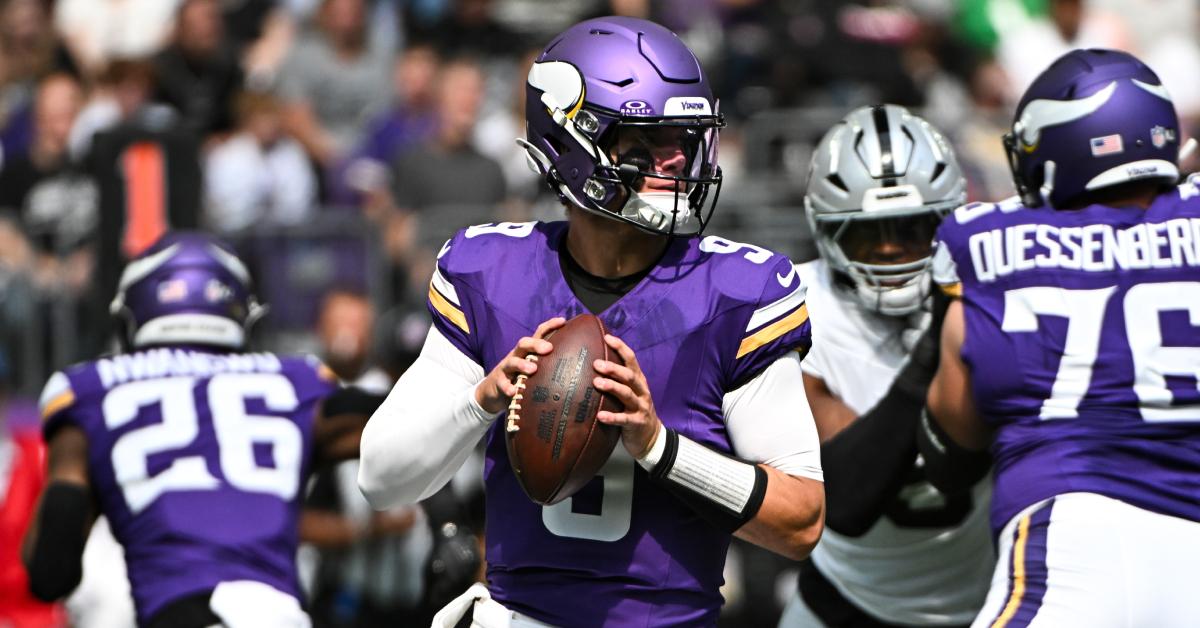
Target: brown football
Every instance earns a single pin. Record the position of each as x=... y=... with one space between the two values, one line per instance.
x=555 y=443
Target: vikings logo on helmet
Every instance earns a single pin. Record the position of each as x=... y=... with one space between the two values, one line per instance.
x=1082 y=126
x=619 y=82
x=188 y=288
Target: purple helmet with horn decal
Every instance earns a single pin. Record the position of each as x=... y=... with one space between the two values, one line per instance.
x=188 y=288
x=1093 y=119
x=622 y=122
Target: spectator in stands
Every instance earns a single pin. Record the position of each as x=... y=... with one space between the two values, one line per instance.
x=123 y=94
x=51 y=198
x=495 y=135
x=99 y=31
x=1028 y=44
x=260 y=175
x=261 y=34
x=371 y=564
x=28 y=51
x=198 y=73
x=331 y=82
x=411 y=120
x=57 y=103
x=431 y=175
x=469 y=27
x=428 y=180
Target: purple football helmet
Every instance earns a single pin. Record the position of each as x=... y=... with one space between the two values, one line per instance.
x=621 y=121
x=187 y=289
x=1095 y=118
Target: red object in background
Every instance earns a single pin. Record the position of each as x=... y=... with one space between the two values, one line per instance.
x=22 y=474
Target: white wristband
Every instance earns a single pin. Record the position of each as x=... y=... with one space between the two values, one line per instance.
x=651 y=458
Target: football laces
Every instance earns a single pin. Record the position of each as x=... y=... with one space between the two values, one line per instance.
x=514 y=406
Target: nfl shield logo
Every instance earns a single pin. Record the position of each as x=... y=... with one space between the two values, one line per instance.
x=1159 y=136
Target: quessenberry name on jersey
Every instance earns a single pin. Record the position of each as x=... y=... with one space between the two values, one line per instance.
x=1173 y=243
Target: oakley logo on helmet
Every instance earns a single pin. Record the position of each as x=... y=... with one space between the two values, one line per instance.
x=636 y=108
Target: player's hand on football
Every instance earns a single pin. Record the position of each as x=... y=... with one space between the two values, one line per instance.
x=495 y=391
x=638 y=422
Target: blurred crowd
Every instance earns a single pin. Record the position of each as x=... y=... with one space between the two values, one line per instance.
x=338 y=143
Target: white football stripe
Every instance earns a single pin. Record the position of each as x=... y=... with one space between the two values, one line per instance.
x=766 y=314
x=445 y=287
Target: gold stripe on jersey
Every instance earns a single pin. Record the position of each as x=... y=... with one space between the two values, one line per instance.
x=1018 y=589
x=326 y=373
x=951 y=289
x=774 y=330
x=445 y=308
x=57 y=404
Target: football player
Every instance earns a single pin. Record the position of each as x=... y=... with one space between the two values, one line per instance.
x=195 y=450
x=1073 y=353
x=623 y=125
x=896 y=551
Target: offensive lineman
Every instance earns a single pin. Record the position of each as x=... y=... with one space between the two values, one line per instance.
x=1073 y=353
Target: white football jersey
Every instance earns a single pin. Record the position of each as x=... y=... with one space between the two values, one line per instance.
x=928 y=560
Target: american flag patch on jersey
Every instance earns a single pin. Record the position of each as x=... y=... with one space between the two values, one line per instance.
x=1107 y=145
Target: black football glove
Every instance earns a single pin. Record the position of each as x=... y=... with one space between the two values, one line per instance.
x=453 y=564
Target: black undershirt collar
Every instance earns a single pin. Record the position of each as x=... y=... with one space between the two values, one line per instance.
x=597 y=293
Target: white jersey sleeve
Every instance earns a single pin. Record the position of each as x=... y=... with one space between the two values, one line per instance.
x=425 y=429
x=769 y=421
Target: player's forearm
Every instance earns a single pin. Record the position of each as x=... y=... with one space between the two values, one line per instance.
x=791 y=518
x=417 y=440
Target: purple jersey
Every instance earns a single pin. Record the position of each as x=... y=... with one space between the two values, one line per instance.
x=707 y=318
x=198 y=459
x=1083 y=340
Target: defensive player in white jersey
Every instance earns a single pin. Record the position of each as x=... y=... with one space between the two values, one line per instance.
x=1073 y=355
x=896 y=551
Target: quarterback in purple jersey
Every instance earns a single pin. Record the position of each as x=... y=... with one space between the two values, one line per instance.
x=1073 y=353
x=717 y=439
x=195 y=450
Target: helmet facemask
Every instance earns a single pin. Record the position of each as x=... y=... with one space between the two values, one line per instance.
x=886 y=257
x=658 y=174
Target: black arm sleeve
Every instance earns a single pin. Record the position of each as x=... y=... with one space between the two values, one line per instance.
x=455 y=558
x=951 y=468
x=867 y=462
x=352 y=400
x=56 y=565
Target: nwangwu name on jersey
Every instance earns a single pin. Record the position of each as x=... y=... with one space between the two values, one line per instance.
x=1092 y=248
x=180 y=362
